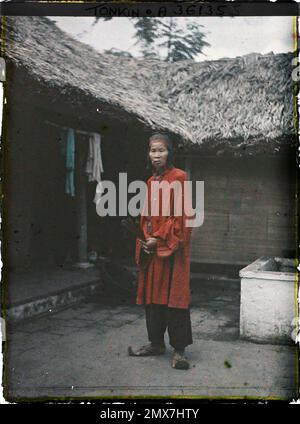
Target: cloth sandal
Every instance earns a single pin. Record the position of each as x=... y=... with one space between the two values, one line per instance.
x=147 y=350
x=180 y=362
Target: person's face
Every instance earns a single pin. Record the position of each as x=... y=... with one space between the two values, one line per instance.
x=158 y=153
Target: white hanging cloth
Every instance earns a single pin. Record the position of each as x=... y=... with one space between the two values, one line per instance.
x=94 y=165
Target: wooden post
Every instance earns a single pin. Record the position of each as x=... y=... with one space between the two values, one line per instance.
x=188 y=166
x=81 y=208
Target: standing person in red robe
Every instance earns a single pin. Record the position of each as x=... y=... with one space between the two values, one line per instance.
x=164 y=262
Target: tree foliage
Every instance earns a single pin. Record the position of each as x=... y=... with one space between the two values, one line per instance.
x=117 y=52
x=146 y=35
x=164 y=39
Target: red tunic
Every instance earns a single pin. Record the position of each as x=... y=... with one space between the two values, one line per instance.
x=172 y=234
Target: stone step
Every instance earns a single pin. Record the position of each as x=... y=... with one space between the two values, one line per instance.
x=48 y=303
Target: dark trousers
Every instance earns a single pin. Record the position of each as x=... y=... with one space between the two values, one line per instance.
x=177 y=321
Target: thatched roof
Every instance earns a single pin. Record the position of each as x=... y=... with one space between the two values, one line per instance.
x=240 y=101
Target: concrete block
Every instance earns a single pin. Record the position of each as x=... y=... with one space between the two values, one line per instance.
x=268 y=300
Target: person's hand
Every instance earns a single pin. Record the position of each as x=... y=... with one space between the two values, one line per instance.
x=149 y=245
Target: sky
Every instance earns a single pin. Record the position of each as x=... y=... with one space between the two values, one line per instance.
x=228 y=37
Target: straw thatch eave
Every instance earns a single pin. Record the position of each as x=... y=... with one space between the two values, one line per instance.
x=238 y=102
x=62 y=63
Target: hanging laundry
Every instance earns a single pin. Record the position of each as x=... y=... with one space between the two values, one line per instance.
x=99 y=192
x=70 y=162
x=94 y=165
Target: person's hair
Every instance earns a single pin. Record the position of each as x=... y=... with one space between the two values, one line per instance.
x=169 y=145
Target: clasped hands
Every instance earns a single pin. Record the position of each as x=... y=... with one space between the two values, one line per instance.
x=149 y=245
